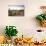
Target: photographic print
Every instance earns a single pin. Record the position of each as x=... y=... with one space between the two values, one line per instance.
x=16 y=10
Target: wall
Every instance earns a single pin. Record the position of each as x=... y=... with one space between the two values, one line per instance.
x=26 y=25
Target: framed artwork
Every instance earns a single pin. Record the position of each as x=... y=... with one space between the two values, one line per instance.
x=16 y=10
